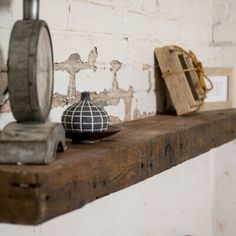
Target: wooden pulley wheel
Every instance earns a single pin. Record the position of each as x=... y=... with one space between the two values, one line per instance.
x=30 y=71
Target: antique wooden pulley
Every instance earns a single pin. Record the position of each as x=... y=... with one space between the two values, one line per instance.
x=30 y=83
x=30 y=66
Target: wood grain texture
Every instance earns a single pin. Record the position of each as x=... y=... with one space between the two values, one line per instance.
x=32 y=194
x=181 y=85
x=163 y=99
x=30 y=71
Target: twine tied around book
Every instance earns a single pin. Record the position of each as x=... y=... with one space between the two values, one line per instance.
x=198 y=68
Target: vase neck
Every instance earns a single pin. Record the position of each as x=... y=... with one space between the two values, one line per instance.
x=85 y=96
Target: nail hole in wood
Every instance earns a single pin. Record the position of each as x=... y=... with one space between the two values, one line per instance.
x=170 y=154
x=69 y=194
x=104 y=182
x=151 y=165
x=74 y=184
x=25 y=185
x=47 y=197
x=94 y=185
x=142 y=165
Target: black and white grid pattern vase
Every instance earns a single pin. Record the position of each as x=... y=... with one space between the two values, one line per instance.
x=85 y=116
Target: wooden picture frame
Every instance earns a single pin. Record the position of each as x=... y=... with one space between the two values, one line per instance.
x=221 y=95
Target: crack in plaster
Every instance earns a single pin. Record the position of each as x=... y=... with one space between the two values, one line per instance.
x=147 y=67
x=142 y=12
x=97 y=3
x=223 y=44
x=228 y=11
x=138 y=12
x=216 y=24
x=69 y=22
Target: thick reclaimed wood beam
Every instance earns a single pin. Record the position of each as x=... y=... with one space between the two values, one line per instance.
x=32 y=194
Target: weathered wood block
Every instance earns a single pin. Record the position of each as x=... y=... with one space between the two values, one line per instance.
x=32 y=194
x=183 y=86
x=25 y=143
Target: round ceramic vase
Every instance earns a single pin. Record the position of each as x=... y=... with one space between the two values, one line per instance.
x=85 y=116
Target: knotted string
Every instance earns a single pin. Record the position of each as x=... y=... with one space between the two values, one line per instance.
x=198 y=68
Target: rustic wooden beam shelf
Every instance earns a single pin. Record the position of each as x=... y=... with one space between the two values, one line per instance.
x=31 y=194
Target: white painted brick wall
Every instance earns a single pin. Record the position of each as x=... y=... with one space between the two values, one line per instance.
x=56 y=13
x=128 y=31
x=10 y=11
x=224 y=19
x=224 y=36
